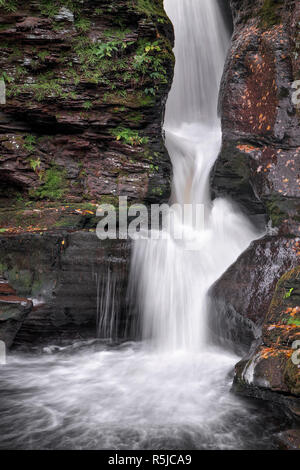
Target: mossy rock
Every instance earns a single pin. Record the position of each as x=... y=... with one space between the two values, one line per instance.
x=292 y=377
x=280 y=208
x=270 y=13
x=282 y=329
x=151 y=7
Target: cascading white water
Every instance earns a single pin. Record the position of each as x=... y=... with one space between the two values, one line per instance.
x=173 y=280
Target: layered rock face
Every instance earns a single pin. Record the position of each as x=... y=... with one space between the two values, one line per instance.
x=83 y=88
x=86 y=83
x=259 y=168
x=73 y=281
x=13 y=311
x=275 y=364
x=259 y=162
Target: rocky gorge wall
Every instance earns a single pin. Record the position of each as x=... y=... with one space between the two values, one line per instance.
x=63 y=281
x=85 y=85
x=255 y=305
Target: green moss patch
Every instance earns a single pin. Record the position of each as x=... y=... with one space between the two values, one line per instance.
x=150 y=7
x=269 y=13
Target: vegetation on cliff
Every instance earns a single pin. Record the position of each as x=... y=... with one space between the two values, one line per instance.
x=86 y=83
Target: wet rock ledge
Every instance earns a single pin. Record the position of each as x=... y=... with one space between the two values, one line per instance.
x=66 y=276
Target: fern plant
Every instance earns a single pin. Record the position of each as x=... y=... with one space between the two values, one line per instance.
x=29 y=143
x=35 y=164
x=83 y=24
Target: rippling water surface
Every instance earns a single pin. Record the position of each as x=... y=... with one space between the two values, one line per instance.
x=92 y=396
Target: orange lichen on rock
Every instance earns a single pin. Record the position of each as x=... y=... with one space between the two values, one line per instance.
x=292 y=311
x=267 y=353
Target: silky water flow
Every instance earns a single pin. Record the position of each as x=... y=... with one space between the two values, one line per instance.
x=172 y=389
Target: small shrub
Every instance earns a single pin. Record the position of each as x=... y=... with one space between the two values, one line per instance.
x=288 y=294
x=35 y=164
x=29 y=143
x=9 y=5
x=83 y=25
x=88 y=105
x=54 y=186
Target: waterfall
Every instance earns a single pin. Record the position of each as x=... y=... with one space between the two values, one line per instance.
x=201 y=43
x=171 y=279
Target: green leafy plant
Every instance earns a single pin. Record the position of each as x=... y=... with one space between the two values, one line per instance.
x=154 y=167
x=150 y=91
x=288 y=294
x=35 y=164
x=48 y=8
x=9 y=5
x=43 y=54
x=6 y=78
x=148 y=61
x=20 y=72
x=157 y=191
x=44 y=90
x=29 y=143
x=108 y=49
x=87 y=105
x=150 y=7
x=129 y=136
x=83 y=25
x=119 y=95
x=117 y=33
x=293 y=322
x=54 y=186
